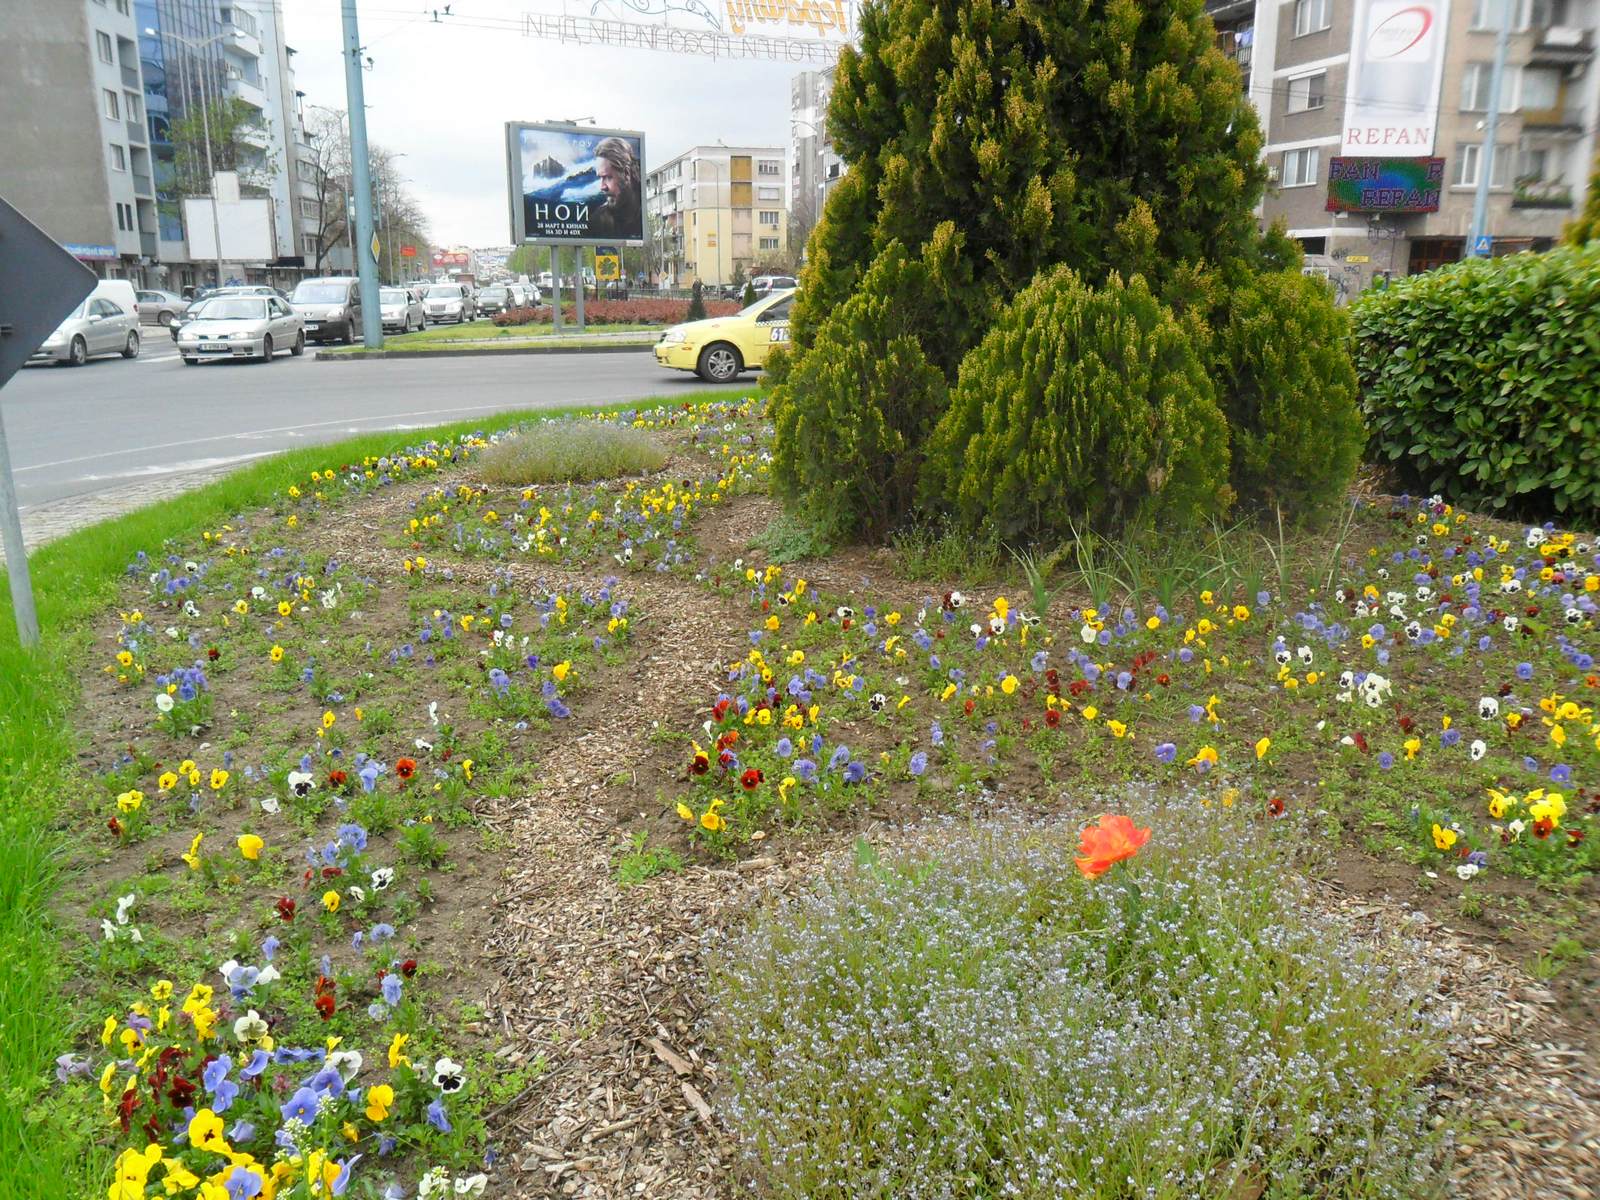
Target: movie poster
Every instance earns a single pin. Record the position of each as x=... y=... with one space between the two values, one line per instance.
x=572 y=185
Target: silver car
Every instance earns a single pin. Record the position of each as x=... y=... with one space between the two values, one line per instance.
x=241 y=327
x=402 y=310
x=97 y=326
x=160 y=308
x=448 y=302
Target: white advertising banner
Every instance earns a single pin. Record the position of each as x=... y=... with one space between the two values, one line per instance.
x=1397 y=48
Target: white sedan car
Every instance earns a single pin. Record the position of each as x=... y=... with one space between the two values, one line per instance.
x=241 y=327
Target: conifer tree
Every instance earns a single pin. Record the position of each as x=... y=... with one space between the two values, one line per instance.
x=1587 y=227
x=1101 y=134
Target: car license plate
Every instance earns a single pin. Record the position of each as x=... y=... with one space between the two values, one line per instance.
x=217 y=349
x=313 y=324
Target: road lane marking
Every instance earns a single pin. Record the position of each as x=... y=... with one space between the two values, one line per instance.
x=294 y=429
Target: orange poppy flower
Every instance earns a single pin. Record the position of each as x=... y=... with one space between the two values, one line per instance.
x=1102 y=846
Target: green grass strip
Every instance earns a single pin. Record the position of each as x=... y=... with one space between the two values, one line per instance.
x=47 y=1150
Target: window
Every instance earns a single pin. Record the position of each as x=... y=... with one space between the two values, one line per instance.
x=1476 y=87
x=104 y=308
x=308 y=244
x=770 y=193
x=121 y=224
x=1313 y=245
x=1308 y=92
x=119 y=158
x=113 y=110
x=1300 y=167
x=1311 y=16
x=769 y=218
x=769 y=166
x=1488 y=14
x=1541 y=89
x=1468 y=155
x=308 y=208
x=130 y=105
x=769 y=243
x=1535 y=162
x=102 y=45
x=122 y=7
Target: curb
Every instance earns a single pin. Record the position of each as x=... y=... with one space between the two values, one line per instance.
x=486 y=352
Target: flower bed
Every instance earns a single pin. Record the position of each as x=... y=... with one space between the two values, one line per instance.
x=617 y=312
x=297 y=725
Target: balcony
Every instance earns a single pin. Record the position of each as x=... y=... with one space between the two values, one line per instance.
x=1561 y=45
x=251 y=93
x=148 y=245
x=142 y=185
x=1564 y=120
x=130 y=79
x=136 y=133
x=255 y=135
x=242 y=42
x=1541 y=193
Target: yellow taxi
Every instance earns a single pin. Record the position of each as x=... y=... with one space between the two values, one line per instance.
x=719 y=348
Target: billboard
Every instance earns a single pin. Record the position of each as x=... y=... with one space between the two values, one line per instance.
x=1385 y=185
x=572 y=186
x=244 y=224
x=1396 y=67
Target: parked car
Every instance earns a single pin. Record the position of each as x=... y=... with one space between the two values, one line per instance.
x=331 y=307
x=160 y=308
x=402 y=311
x=242 y=327
x=495 y=299
x=448 y=302
x=97 y=326
x=719 y=348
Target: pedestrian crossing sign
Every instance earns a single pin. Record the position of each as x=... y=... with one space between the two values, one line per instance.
x=1482 y=246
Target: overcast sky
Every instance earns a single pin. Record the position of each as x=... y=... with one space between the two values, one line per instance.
x=441 y=94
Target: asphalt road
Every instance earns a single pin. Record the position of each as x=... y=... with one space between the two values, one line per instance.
x=114 y=422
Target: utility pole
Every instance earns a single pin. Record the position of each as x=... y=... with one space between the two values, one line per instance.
x=361 y=181
x=1491 y=125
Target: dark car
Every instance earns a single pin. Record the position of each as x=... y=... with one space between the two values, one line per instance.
x=331 y=307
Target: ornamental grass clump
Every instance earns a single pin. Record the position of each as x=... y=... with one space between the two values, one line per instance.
x=568 y=451
x=985 y=1015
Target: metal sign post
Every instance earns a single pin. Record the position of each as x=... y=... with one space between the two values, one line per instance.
x=555 y=287
x=577 y=280
x=40 y=283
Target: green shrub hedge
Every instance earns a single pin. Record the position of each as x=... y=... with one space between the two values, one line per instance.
x=1482 y=380
x=1081 y=405
x=852 y=418
x=1283 y=375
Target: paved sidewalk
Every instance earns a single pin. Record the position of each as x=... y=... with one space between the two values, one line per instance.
x=46 y=522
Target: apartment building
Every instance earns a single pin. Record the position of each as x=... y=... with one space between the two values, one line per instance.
x=1380 y=179
x=814 y=163
x=717 y=211
x=93 y=90
x=74 y=145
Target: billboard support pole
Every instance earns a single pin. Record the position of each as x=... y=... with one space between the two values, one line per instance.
x=1491 y=125
x=555 y=286
x=361 y=168
x=577 y=280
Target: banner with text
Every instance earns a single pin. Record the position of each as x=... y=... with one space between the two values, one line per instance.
x=1396 y=68
x=1385 y=185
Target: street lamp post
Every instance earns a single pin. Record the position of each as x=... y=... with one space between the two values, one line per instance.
x=195 y=46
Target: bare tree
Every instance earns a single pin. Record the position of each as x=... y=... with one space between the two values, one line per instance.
x=329 y=139
x=397 y=209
